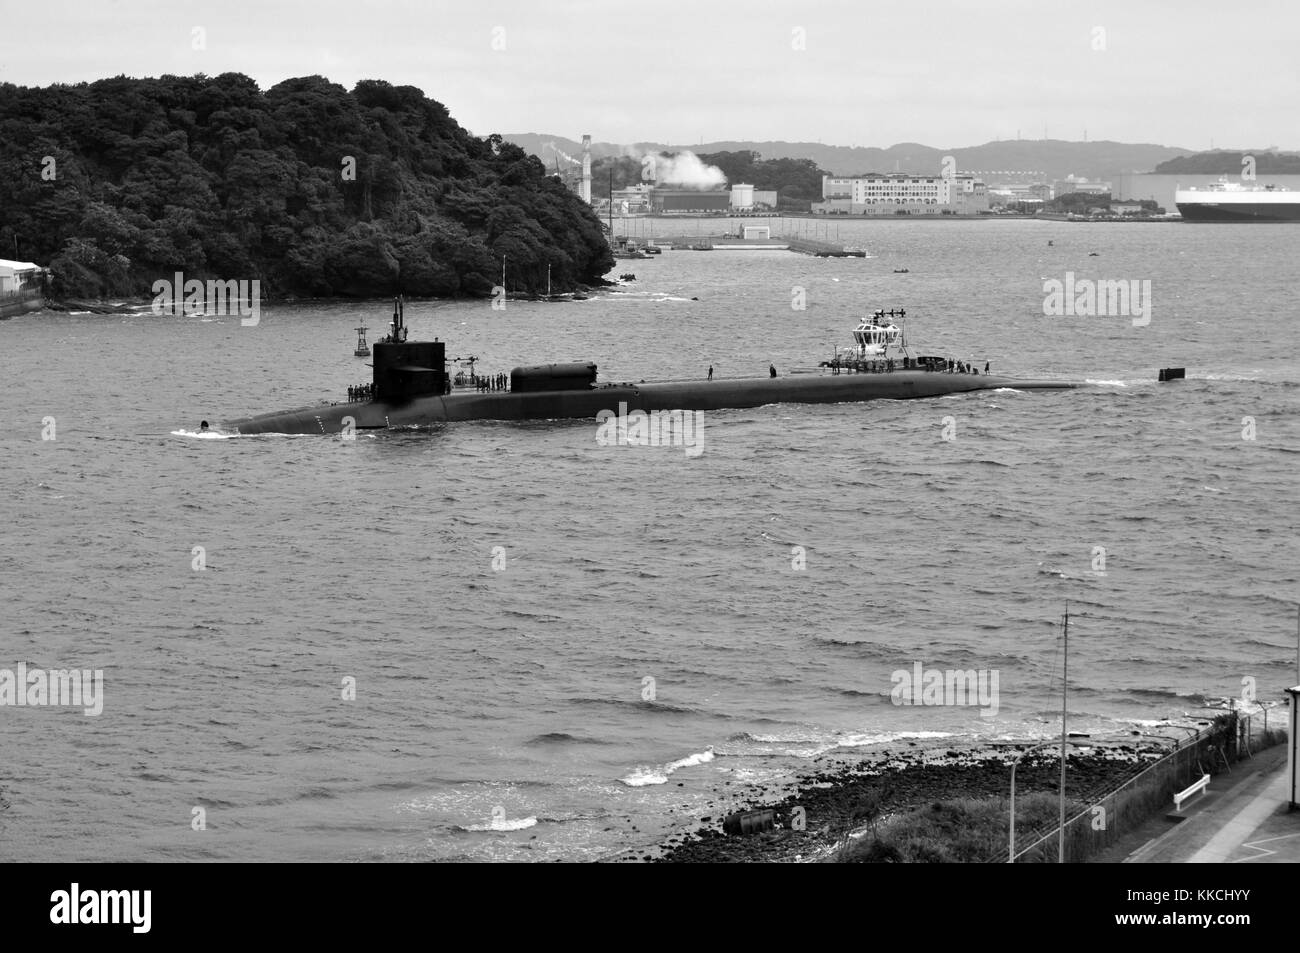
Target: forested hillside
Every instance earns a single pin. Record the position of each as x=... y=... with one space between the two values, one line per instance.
x=310 y=188
x=1230 y=163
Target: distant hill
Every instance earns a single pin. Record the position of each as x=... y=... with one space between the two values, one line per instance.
x=1050 y=158
x=1230 y=163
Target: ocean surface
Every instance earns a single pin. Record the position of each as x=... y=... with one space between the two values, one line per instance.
x=505 y=714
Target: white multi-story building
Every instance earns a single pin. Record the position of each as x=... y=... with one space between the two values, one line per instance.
x=902 y=194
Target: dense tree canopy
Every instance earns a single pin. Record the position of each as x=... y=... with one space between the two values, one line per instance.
x=1230 y=163
x=307 y=187
x=796 y=180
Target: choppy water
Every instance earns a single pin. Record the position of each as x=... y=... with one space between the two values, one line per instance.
x=499 y=714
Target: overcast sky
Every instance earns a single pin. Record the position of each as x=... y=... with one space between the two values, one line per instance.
x=869 y=73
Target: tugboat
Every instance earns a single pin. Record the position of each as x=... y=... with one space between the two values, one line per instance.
x=363 y=349
x=872 y=339
x=880 y=345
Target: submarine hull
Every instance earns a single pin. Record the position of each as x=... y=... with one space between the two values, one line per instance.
x=589 y=401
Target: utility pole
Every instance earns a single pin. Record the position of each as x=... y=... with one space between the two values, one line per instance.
x=1065 y=688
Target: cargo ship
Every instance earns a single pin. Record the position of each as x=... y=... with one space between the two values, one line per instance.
x=411 y=386
x=1226 y=201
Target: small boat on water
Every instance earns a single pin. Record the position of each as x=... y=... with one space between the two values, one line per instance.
x=363 y=349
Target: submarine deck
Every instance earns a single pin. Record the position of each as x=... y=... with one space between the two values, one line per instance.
x=720 y=394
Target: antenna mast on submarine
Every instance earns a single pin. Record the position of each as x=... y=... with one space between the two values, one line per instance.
x=397 y=332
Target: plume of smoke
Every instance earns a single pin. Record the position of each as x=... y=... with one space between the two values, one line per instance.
x=561 y=153
x=683 y=170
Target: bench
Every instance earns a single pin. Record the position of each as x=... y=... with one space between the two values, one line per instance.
x=1181 y=796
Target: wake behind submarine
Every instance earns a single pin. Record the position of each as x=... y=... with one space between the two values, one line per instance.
x=411 y=386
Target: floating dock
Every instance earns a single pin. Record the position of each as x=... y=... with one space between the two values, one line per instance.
x=805 y=246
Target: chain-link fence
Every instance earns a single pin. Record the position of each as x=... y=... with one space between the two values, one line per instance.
x=1151 y=787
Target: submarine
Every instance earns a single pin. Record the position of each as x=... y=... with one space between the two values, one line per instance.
x=411 y=387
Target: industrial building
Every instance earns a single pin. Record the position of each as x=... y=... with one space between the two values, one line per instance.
x=902 y=194
x=1081 y=185
x=742 y=197
x=668 y=201
x=1019 y=194
x=642 y=199
x=746 y=198
x=650 y=199
x=633 y=200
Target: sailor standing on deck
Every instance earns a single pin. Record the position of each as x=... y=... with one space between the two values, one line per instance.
x=710 y=372
x=771 y=370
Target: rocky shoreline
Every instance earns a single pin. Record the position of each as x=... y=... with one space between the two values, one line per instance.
x=903 y=780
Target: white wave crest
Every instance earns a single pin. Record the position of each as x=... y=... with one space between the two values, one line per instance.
x=203 y=434
x=502 y=824
x=863 y=740
x=645 y=774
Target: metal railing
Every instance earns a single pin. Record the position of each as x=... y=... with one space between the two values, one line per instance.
x=1108 y=816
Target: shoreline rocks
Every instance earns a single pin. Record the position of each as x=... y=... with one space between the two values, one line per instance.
x=832 y=798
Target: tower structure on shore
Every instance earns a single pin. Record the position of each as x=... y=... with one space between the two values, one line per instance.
x=586 y=170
